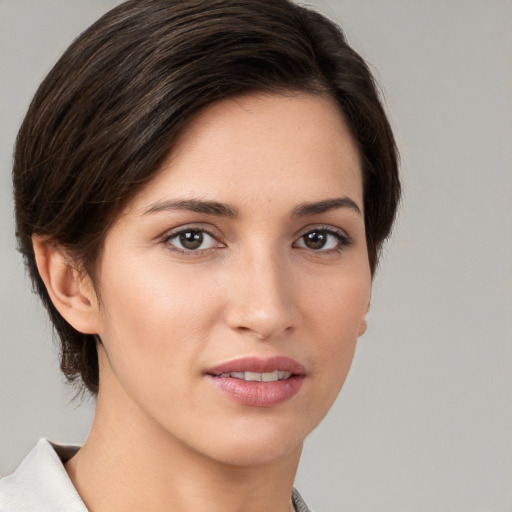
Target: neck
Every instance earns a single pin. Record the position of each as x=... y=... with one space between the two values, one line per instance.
x=129 y=463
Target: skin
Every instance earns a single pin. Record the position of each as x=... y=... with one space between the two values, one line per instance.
x=164 y=438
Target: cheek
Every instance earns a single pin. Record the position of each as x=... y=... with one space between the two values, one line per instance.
x=339 y=306
x=338 y=314
x=153 y=317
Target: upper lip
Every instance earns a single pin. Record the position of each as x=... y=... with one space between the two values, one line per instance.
x=258 y=365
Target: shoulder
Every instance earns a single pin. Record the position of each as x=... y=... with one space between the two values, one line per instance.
x=41 y=483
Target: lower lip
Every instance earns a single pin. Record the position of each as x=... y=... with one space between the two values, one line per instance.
x=258 y=394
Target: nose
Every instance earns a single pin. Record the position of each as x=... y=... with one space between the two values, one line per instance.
x=262 y=297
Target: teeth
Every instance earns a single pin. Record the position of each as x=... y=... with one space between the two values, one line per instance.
x=253 y=376
x=270 y=376
x=259 y=377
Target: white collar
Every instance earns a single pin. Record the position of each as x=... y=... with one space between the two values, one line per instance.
x=41 y=484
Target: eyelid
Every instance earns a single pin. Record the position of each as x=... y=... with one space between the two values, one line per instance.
x=344 y=239
x=322 y=227
x=174 y=232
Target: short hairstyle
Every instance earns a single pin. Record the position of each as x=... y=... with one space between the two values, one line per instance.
x=108 y=113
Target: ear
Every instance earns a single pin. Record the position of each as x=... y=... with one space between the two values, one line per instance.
x=362 y=328
x=364 y=323
x=71 y=292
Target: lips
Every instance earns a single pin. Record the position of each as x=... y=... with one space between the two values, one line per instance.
x=259 y=365
x=258 y=382
x=258 y=377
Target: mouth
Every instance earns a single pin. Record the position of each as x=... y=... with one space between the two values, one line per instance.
x=259 y=369
x=258 y=382
x=257 y=376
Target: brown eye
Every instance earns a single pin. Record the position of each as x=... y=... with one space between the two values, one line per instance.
x=315 y=240
x=189 y=240
x=322 y=240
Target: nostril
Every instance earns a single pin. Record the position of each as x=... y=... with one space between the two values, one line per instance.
x=262 y=334
x=264 y=316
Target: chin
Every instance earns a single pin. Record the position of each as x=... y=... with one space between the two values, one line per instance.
x=253 y=454
x=255 y=443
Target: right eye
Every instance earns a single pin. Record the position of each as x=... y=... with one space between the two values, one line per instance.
x=191 y=240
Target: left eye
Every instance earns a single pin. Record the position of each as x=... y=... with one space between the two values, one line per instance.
x=191 y=240
x=321 y=240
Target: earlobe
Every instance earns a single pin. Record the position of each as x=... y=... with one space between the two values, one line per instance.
x=72 y=294
x=362 y=328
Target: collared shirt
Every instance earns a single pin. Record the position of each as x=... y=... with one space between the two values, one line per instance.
x=41 y=483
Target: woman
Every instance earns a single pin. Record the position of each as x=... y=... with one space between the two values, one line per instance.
x=202 y=190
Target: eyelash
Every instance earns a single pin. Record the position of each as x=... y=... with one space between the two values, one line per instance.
x=343 y=240
x=168 y=237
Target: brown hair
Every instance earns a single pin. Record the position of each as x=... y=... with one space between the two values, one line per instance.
x=109 y=111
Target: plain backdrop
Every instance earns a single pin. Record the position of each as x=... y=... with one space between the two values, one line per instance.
x=424 y=422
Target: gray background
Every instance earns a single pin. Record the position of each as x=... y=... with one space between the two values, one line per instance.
x=424 y=422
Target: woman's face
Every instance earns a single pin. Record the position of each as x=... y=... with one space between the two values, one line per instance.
x=235 y=285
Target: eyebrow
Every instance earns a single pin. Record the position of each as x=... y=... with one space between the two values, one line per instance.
x=307 y=209
x=193 y=205
x=225 y=210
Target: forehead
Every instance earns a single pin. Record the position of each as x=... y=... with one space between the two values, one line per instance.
x=261 y=148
